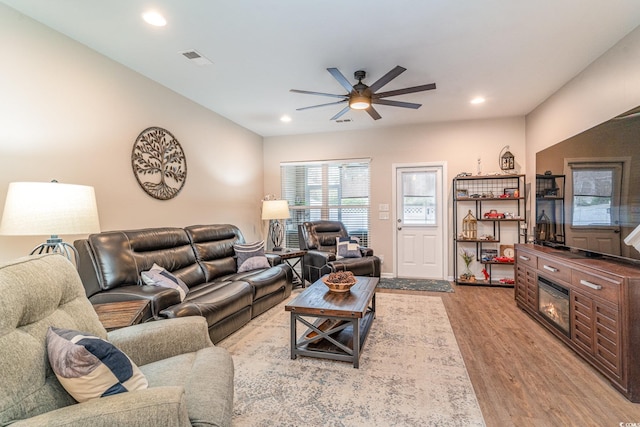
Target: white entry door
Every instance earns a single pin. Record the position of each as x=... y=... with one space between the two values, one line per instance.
x=420 y=222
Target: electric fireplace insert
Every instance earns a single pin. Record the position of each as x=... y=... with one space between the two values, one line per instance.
x=553 y=304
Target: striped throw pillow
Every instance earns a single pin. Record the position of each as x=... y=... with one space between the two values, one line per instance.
x=89 y=367
x=158 y=276
x=251 y=256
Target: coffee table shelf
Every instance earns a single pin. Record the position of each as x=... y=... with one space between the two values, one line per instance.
x=341 y=321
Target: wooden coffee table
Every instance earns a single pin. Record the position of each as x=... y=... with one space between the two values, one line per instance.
x=338 y=323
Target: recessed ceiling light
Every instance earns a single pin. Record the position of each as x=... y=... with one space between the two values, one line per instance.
x=154 y=18
x=285 y=119
x=478 y=100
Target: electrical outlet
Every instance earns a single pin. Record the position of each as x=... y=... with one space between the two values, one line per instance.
x=381 y=259
x=383 y=215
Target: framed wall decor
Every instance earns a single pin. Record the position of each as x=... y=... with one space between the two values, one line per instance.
x=507 y=251
x=159 y=164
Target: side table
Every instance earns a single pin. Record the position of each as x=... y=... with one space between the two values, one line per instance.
x=293 y=257
x=115 y=315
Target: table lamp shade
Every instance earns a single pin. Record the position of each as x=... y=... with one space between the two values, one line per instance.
x=633 y=239
x=49 y=208
x=275 y=209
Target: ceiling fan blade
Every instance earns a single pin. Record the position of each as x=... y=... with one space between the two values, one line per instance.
x=396 y=103
x=322 y=105
x=387 y=78
x=406 y=90
x=341 y=113
x=307 y=92
x=373 y=113
x=341 y=79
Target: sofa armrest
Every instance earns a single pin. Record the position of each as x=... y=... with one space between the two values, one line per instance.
x=315 y=264
x=318 y=258
x=148 y=342
x=156 y=406
x=366 y=251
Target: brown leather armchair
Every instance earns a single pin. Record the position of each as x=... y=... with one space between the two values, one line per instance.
x=318 y=238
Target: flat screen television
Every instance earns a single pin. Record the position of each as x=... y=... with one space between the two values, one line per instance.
x=588 y=189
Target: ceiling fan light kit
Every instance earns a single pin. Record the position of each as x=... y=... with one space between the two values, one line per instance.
x=359 y=102
x=362 y=97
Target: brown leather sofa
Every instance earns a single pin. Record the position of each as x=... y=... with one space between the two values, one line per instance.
x=202 y=256
x=319 y=239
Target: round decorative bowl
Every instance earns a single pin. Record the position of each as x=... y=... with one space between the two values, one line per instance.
x=339 y=286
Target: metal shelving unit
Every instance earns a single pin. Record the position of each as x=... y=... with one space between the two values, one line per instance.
x=488 y=198
x=550 y=199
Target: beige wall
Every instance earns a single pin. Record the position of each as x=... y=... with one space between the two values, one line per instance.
x=608 y=87
x=70 y=114
x=459 y=144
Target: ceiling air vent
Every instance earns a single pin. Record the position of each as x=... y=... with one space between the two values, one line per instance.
x=193 y=55
x=344 y=120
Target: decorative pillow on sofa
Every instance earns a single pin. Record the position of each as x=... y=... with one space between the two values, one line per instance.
x=347 y=247
x=89 y=367
x=158 y=276
x=251 y=256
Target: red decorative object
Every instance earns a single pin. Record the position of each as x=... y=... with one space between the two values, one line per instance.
x=486 y=275
x=494 y=214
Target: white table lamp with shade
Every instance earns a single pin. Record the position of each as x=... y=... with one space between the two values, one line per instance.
x=51 y=209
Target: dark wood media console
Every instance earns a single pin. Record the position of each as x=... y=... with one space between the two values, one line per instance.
x=603 y=308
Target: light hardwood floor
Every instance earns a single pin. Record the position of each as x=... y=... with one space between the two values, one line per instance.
x=522 y=375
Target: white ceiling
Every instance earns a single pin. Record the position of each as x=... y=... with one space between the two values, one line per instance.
x=515 y=53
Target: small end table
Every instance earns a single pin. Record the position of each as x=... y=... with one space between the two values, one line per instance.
x=115 y=315
x=293 y=257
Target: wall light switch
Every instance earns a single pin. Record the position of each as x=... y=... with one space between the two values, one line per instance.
x=383 y=207
x=383 y=215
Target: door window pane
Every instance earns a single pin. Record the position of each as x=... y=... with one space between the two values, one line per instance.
x=419 y=198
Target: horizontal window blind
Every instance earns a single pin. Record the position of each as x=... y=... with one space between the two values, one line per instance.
x=336 y=190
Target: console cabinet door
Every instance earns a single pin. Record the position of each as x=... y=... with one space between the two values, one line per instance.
x=526 y=280
x=595 y=329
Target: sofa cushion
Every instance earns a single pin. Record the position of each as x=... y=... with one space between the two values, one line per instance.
x=213 y=247
x=214 y=301
x=208 y=374
x=264 y=281
x=158 y=276
x=89 y=367
x=250 y=256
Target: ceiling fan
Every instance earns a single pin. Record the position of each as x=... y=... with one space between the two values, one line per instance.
x=362 y=97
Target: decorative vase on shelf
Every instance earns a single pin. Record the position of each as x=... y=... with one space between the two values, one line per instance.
x=467 y=272
x=467 y=257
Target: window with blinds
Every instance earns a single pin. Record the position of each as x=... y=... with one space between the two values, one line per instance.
x=327 y=190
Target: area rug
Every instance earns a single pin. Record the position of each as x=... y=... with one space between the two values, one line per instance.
x=416 y=284
x=411 y=373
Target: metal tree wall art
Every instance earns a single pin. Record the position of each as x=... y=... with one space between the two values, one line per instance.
x=159 y=163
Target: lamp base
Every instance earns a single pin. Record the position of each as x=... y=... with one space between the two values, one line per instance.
x=276 y=233
x=57 y=246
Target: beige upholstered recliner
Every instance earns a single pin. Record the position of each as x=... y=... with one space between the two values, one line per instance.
x=190 y=380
